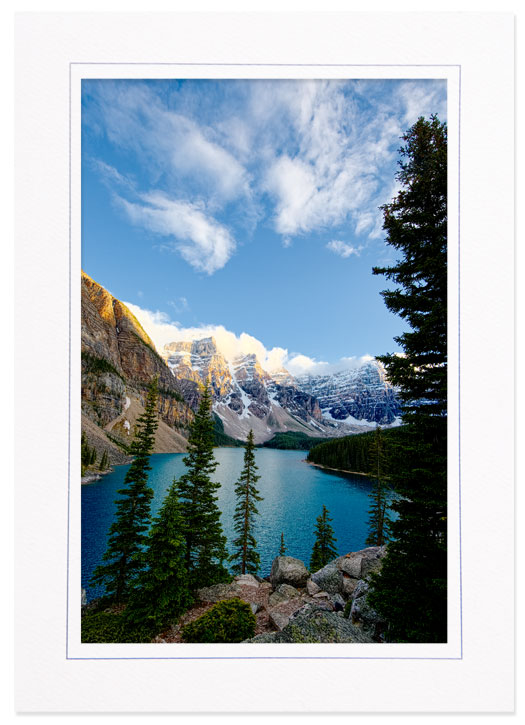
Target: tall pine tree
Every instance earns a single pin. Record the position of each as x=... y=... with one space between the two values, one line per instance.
x=205 y=541
x=161 y=593
x=411 y=592
x=282 y=550
x=324 y=547
x=379 y=520
x=245 y=557
x=127 y=535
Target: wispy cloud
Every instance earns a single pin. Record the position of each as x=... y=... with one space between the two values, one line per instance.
x=312 y=156
x=343 y=249
x=200 y=239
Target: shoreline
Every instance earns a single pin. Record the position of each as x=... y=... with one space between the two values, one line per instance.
x=93 y=476
x=339 y=470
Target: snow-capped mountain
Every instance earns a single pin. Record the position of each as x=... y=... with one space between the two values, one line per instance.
x=362 y=396
x=246 y=396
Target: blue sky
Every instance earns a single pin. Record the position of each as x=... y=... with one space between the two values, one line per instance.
x=248 y=209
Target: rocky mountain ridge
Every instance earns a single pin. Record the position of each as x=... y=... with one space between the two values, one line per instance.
x=119 y=360
x=359 y=396
x=244 y=395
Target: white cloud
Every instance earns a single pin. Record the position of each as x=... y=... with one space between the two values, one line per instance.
x=304 y=365
x=310 y=155
x=421 y=99
x=162 y=331
x=343 y=249
x=192 y=153
x=200 y=239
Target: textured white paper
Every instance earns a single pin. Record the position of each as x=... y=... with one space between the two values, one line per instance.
x=474 y=670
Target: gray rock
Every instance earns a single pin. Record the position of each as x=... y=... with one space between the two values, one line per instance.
x=278 y=619
x=288 y=591
x=361 y=589
x=217 y=592
x=287 y=570
x=246 y=580
x=338 y=602
x=363 y=614
x=83 y=598
x=351 y=565
x=254 y=607
x=370 y=565
x=312 y=588
x=349 y=586
x=314 y=624
x=321 y=595
x=329 y=578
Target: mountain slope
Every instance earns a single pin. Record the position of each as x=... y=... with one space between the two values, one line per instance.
x=357 y=397
x=244 y=395
x=118 y=362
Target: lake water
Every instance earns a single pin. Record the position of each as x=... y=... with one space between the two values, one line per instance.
x=294 y=493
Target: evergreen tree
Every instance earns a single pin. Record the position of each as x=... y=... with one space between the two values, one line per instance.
x=245 y=556
x=161 y=593
x=324 y=547
x=93 y=457
x=122 y=559
x=85 y=451
x=205 y=541
x=379 y=520
x=282 y=550
x=411 y=592
x=104 y=462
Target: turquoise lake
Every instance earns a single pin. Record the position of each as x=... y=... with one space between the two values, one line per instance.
x=294 y=493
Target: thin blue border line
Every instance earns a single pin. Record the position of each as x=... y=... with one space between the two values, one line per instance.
x=294 y=65
x=285 y=65
x=459 y=368
x=69 y=390
x=274 y=657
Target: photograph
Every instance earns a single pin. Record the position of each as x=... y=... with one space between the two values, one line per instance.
x=264 y=314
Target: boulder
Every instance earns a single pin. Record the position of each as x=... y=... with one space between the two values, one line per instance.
x=329 y=578
x=283 y=593
x=338 y=602
x=351 y=565
x=312 y=588
x=217 y=592
x=287 y=570
x=362 y=613
x=247 y=580
x=314 y=624
x=361 y=588
x=358 y=564
x=278 y=619
x=349 y=586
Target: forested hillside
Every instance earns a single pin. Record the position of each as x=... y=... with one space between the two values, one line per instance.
x=351 y=453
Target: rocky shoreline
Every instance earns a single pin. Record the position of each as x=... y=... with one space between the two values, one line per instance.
x=292 y=605
x=339 y=470
x=92 y=476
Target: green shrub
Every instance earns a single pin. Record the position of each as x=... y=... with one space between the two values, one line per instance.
x=112 y=628
x=231 y=620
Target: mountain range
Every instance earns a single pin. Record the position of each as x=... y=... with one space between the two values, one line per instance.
x=119 y=358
